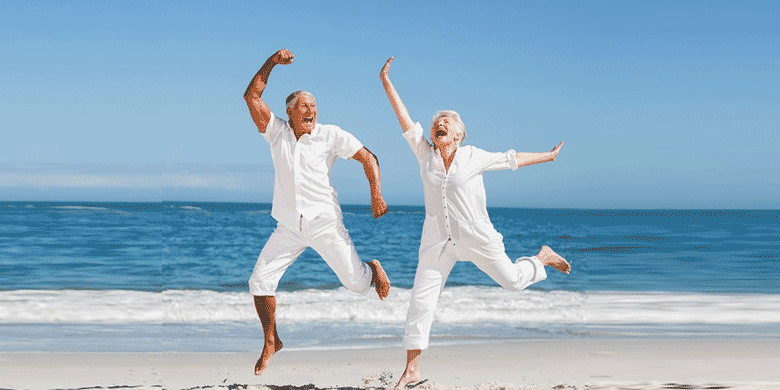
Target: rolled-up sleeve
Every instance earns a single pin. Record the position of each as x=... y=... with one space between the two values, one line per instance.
x=414 y=137
x=489 y=161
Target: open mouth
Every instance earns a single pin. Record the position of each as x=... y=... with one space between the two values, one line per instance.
x=440 y=133
x=308 y=120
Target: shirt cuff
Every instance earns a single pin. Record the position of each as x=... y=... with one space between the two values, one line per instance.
x=356 y=148
x=511 y=156
x=414 y=133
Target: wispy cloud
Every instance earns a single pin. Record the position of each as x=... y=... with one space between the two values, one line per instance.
x=232 y=181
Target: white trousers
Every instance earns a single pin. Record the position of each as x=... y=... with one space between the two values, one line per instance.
x=431 y=277
x=326 y=235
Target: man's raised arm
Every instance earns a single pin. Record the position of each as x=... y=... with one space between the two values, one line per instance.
x=261 y=114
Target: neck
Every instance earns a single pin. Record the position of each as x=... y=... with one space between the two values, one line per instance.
x=299 y=132
x=448 y=152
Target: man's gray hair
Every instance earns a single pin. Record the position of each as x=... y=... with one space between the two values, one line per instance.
x=459 y=126
x=293 y=98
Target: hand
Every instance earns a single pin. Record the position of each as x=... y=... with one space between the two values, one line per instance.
x=555 y=151
x=282 y=57
x=378 y=206
x=385 y=69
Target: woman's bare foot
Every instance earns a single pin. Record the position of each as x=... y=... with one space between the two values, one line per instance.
x=548 y=257
x=268 y=351
x=410 y=376
x=379 y=279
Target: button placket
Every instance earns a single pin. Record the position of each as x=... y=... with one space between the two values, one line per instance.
x=444 y=206
x=297 y=152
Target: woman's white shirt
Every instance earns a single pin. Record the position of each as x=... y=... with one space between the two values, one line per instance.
x=455 y=201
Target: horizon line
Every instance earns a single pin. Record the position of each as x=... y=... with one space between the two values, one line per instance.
x=368 y=206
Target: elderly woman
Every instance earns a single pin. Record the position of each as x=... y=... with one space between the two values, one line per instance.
x=457 y=226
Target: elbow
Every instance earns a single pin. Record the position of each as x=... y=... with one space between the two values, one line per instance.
x=371 y=158
x=251 y=96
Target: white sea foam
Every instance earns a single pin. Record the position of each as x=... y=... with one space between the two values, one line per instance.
x=458 y=305
x=79 y=207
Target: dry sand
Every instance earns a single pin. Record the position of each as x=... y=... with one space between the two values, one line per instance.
x=527 y=364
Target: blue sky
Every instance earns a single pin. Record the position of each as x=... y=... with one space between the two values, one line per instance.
x=661 y=104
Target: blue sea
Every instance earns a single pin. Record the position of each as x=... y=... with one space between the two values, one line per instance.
x=172 y=276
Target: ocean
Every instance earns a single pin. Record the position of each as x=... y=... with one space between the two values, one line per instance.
x=172 y=276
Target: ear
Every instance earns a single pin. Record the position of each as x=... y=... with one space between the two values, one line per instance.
x=289 y=111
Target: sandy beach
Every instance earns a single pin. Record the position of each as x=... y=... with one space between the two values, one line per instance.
x=528 y=364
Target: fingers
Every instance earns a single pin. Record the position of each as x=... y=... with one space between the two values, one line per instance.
x=386 y=68
x=378 y=208
x=379 y=211
x=283 y=57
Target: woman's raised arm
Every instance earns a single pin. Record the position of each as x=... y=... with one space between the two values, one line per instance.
x=395 y=100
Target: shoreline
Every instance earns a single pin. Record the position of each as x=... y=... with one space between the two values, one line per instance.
x=529 y=364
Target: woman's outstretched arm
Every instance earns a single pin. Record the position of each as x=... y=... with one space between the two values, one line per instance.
x=395 y=100
x=524 y=159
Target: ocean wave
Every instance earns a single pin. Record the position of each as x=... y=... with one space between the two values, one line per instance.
x=78 y=207
x=457 y=305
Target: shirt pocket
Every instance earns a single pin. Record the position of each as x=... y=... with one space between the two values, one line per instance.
x=316 y=154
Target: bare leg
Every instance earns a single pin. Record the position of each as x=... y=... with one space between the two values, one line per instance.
x=412 y=373
x=548 y=257
x=379 y=279
x=266 y=310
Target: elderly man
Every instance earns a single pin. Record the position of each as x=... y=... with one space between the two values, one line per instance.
x=305 y=204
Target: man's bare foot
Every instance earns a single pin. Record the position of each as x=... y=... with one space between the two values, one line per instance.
x=410 y=377
x=268 y=351
x=548 y=257
x=379 y=279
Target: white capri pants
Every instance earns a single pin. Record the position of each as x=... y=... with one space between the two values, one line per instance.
x=326 y=235
x=432 y=275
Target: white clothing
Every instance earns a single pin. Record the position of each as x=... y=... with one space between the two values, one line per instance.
x=457 y=227
x=302 y=169
x=325 y=235
x=429 y=281
x=306 y=207
x=455 y=202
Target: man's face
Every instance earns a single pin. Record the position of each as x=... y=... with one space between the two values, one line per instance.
x=444 y=132
x=303 y=115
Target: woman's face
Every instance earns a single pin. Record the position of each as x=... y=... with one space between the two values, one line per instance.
x=444 y=133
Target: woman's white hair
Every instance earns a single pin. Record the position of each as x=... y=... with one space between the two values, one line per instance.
x=459 y=126
x=293 y=98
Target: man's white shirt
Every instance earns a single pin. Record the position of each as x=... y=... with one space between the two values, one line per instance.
x=302 y=185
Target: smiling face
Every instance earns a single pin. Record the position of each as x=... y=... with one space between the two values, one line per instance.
x=445 y=132
x=303 y=114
